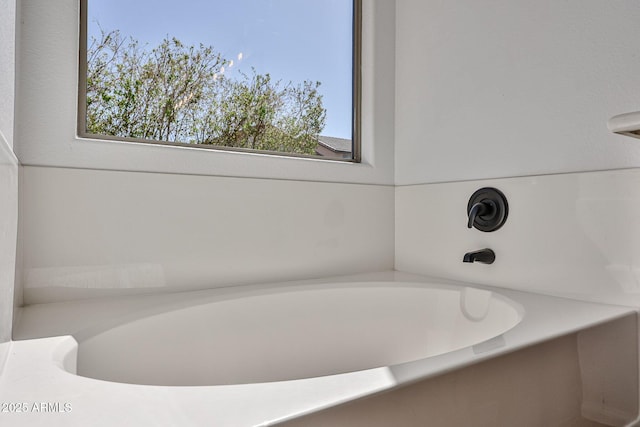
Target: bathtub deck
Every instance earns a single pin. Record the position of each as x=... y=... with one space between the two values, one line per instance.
x=34 y=375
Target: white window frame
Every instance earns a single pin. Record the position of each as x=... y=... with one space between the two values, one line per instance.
x=47 y=109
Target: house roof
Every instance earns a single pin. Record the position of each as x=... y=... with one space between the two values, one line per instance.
x=335 y=144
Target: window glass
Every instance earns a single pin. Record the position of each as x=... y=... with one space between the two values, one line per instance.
x=267 y=75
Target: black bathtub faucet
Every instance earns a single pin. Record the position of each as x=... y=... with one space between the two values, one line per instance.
x=485 y=256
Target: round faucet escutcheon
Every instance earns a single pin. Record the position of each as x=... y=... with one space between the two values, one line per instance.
x=487 y=209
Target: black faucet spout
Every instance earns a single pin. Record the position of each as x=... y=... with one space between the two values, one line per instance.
x=484 y=256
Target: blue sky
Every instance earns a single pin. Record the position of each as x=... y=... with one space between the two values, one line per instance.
x=293 y=40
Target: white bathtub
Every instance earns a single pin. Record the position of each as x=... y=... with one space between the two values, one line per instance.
x=255 y=355
x=283 y=334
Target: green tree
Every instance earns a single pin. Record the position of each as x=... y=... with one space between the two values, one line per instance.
x=177 y=93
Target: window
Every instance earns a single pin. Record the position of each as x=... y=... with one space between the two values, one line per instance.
x=273 y=76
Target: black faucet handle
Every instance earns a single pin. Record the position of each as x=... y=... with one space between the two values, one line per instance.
x=478 y=209
x=487 y=209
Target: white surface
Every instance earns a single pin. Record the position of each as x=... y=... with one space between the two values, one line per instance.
x=35 y=370
x=572 y=235
x=8 y=230
x=47 y=94
x=7 y=67
x=94 y=233
x=292 y=334
x=513 y=87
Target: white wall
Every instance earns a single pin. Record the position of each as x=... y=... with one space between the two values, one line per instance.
x=7 y=67
x=8 y=175
x=507 y=88
x=504 y=88
x=8 y=230
x=572 y=235
x=90 y=233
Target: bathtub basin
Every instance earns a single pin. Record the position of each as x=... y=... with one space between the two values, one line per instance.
x=287 y=334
